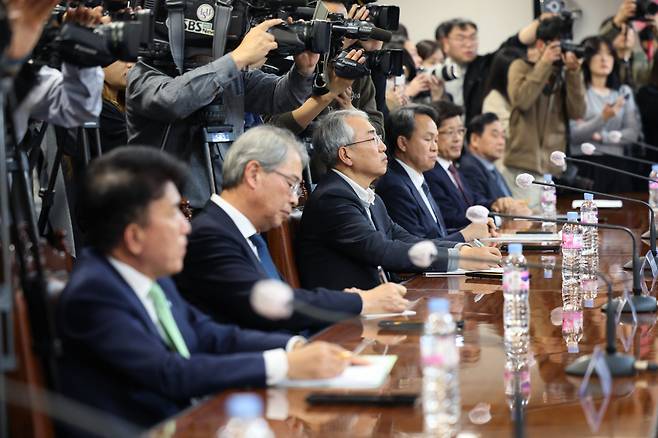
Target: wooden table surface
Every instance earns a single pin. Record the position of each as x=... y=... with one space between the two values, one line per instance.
x=553 y=407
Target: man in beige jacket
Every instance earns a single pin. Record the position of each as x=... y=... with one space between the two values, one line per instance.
x=543 y=95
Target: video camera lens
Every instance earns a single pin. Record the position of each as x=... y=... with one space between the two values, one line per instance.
x=292 y=39
x=388 y=62
x=385 y=17
x=570 y=46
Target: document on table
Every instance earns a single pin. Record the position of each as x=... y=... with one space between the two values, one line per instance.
x=457 y=272
x=406 y=312
x=369 y=376
x=600 y=203
x=523 y=238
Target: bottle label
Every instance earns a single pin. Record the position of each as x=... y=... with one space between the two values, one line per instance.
x=589 y=217
x=653 y=185
x=572 y=241
x=589 y=285
x=516 y=280
x=572 y=321
x=438 y=351
x=548 y=196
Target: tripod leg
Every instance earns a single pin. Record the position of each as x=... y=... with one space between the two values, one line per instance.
x=48 y=194
x=210 y=170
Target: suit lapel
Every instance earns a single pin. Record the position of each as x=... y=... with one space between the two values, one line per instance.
x=342 y=183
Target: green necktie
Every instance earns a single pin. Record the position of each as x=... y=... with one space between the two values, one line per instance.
x=167 y=321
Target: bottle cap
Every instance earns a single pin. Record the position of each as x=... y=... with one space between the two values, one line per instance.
x=244 y=405
x=515 y=248
x=654 y=167
x=572 y=347
x=589 y=197
x=548 y=178
x=589 y=303
x=438 y=305
x=572 y=216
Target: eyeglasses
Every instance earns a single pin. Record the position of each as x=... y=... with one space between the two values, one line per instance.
x=295 y=186
x=453 y=132
x=375 y=137
x=461 y=39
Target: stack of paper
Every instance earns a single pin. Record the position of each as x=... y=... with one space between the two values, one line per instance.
x=368 y=376
x=495 y=271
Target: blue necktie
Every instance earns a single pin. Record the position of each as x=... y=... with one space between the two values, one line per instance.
x=500 y=182
x=437 y=210
x=264 y=256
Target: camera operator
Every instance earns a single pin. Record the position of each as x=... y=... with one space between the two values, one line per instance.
x=544 y=95
x=357 y=94
x=459 y=40
x=161 y=108
x=634 y=65
x=66 y=98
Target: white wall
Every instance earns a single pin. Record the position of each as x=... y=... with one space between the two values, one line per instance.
x=496 y=19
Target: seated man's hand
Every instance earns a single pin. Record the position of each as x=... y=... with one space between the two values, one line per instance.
x=255 y=45
x=476 y=231
x=520 y=208
x=483 y=258
x=317 y=360
x=503 y=205
x=385 y=298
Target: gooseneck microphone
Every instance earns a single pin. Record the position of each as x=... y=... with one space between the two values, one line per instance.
x=524 y=180
x=424 y=253
x=642 y=304
x=589 y=149
x=559 y=159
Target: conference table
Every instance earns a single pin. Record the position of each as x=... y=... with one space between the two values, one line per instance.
x=547 y=401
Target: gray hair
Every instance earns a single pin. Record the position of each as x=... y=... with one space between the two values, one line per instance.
x=332 y=132
x=268 y=145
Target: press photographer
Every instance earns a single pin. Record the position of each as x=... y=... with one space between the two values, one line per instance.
x=165 y=108
x=544 y=96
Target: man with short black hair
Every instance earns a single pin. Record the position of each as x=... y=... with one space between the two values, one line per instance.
x=132 y=347
x=412 y=134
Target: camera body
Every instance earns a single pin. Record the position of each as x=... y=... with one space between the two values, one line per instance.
x=445 y=71
x=570 y=46
x=382 y=16
x=645 y=10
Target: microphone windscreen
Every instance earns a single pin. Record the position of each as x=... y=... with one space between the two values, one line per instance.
x=478 y=214
x=272 y=299
x=524 y=180
x=423 y=253
x=557 y=158
x=614 y=136
x=587 y=148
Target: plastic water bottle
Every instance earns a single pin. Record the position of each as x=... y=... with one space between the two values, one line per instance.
x=246 y=418
x=572 y=246
x=549 y=204
x=440 y=363
x=653 y=189
x=572 y=317
x=516 y=309
x=517 y=379
x=572 y=324
x=589 y=214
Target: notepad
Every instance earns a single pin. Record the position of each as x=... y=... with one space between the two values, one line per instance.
x=457 y=272
x=369 y=376
x=523 y=238
x=388 y=315
x=600 y=203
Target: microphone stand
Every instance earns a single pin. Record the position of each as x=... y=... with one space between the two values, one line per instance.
x=622 y=157
x=642 y=303
x=610 y=168
x=652 y=220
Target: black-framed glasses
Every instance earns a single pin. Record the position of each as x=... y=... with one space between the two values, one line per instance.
x=294 y=185
x=375 y=137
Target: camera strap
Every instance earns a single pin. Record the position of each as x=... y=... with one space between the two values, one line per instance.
x=222 y=19
x=176 y=26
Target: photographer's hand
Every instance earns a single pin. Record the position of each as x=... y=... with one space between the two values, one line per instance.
x=571 y=61
x=338 y=85
x=26 y=18
x=355 y=13
x=552 y=53
x=306 y=62
x=255 y=45
x=84 y=16
x=625 y=12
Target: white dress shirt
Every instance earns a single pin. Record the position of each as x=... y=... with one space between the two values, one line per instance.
x=247 y=229
x=418 y=179
x=445 y=164
x=367 y=196
x=276 y=361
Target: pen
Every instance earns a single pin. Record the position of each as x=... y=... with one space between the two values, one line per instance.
x=382 y=275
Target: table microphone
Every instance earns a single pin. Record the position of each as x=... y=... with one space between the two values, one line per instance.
x=424 y=253
x=643 y=304
x=559 y=159
x=589 y=149
x=524 y=180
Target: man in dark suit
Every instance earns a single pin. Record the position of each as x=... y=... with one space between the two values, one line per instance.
x=486 y=144
x=132 y=347
x=227 y=256
x=411 y=134
x=447 y=183
x=346 y=233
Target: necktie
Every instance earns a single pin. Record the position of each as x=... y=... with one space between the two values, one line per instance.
x=436 y=209
x=264 y=256
x=167 y=321
x=455 y=175
x=500 y=182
